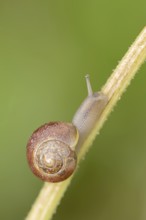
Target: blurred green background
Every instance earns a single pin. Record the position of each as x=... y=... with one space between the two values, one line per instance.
x=46 y=48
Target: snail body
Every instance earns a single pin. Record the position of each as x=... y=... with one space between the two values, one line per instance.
x=52 y=148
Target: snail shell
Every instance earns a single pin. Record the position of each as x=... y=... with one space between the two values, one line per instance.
x=50 y=151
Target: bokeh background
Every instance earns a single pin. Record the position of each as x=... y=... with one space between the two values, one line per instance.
x=46 y=48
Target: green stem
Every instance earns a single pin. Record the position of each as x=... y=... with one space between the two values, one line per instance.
x=51 y=193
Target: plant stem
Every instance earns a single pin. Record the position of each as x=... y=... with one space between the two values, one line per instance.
x=51 y=193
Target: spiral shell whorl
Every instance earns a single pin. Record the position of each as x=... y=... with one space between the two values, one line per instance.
x=50 y=151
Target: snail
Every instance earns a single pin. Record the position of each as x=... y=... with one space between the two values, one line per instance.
x=52 y=148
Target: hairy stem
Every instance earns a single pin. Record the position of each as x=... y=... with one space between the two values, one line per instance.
x=51 y=193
